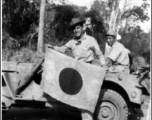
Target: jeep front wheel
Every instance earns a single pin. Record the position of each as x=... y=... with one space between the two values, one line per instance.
x=111 y=106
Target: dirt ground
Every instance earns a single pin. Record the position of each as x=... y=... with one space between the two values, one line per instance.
x=146 y=108
x=145 y=112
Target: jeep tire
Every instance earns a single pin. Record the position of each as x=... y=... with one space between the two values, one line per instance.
x=111 y=106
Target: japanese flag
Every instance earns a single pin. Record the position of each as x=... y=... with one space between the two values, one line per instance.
x=70 y=81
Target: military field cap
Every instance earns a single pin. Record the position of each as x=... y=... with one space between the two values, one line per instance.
x=74 y=22
x=110 y=33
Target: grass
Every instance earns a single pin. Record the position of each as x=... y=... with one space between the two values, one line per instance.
x=22 y=55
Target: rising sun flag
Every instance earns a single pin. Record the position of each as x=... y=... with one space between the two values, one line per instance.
x=70 y=81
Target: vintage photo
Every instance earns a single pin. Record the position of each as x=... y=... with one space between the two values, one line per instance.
x=76 y=60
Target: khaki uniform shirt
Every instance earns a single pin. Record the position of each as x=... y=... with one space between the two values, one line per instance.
x=84 y=49
x=119 y=54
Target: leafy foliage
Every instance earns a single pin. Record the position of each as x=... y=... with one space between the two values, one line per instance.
x=20 y=26
x=18 y=15
x=98 y=27
x=62 y=21
x=138 y=42
x=132 y=36
x=138 y=11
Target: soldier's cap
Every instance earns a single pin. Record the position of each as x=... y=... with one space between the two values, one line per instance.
x=111 y=33
x=75 y=22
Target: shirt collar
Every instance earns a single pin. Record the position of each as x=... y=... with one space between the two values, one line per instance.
x=114 y=44
x=82 y=39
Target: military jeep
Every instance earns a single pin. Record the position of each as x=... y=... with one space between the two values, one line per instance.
x=119 y=93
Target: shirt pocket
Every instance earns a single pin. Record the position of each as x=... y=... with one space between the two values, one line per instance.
x=83 y=52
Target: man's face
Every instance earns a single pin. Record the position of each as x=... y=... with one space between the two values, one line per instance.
x=78 y=31
x=110 y=40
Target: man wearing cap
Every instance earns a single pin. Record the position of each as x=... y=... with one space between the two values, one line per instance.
x=117 y=59
x=83 y=46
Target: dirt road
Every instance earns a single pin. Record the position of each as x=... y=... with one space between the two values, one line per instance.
x=143 y=113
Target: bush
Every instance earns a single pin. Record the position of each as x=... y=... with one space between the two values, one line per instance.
x=20 y=28
x=22 y=55
x=137 y=42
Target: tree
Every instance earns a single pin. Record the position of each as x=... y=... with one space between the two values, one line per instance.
x=115 y=12
x=17 y=18
x=103 y=9
x=98 y=29
x=40 y=43
x=41 y=26
x=124 y=18
x=57 y=23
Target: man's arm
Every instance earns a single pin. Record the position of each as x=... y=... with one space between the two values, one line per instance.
x=108 y=62
x=115 y=52
x=95 y=48
x=63 y=48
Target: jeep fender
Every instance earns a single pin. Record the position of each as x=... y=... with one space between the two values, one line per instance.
x=124 y=82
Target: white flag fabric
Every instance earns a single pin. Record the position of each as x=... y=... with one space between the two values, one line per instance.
x=70 y=81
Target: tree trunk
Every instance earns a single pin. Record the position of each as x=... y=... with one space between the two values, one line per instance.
x=41 y=26
x=115 y=15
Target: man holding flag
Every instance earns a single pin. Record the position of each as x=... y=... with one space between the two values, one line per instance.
x=85 y=79
x=84 y=48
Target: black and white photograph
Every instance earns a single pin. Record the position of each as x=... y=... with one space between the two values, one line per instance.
x=76 y=60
